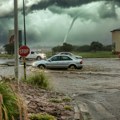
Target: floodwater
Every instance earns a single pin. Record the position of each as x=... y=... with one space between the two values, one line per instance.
x=96 y=86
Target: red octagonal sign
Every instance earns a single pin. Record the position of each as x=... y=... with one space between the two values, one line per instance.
x=24 y=51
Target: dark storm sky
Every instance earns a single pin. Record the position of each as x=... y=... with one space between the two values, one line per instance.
x=48 y=22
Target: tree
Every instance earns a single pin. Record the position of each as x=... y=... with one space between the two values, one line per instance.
x=9 y=48
x=67 y=47
x=84 y=48
x=96 y=46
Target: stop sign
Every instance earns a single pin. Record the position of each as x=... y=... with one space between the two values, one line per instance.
x=24 y=51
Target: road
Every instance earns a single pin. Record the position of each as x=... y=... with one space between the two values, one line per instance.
x=95 y=89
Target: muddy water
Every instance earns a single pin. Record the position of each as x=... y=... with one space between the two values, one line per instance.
x=97 y=86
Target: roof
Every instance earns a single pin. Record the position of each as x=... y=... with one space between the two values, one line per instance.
x=118 y=29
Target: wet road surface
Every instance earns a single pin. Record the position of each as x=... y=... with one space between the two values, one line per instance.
x=95 y=88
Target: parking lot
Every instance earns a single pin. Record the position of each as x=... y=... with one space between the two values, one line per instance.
x=96 y=86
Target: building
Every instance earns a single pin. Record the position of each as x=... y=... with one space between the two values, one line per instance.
x=11 y=37
x=116 y=40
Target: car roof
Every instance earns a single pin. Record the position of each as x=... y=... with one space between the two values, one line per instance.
x=63 y=55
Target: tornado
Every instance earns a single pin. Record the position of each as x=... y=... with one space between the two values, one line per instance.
x=71 y=25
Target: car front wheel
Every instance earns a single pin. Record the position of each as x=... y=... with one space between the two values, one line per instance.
x=38 y=58
x=42 y=67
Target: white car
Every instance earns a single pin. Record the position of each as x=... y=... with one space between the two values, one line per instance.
x=59 y=61
x=36 y=55
x=71 y=54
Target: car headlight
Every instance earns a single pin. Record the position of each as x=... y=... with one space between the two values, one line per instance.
x=34 y=64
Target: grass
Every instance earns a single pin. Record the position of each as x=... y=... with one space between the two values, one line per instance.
x=56 y=100
x=98 y=54
x=67 y=107
x=6 y=56
x=67 y=99
x=41 y=116
x=38 y=79
x=11 y=104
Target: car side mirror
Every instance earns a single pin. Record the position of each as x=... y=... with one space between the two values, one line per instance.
x=49 y=60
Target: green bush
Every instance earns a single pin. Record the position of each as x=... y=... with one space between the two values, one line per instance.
x=38 y=79
x=9 y=103
x=41 y=116
x=56 y=100
x=66 y=99
x=67 y=107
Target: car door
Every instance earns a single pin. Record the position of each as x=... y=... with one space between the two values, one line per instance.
x=53 y=62
x=65 y=61
x=31 y=55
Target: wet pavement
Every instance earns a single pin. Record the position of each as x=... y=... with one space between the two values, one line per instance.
x=95 y=89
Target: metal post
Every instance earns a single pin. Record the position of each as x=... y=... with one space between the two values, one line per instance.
x=16 y=43
x=24 y=61
x=24 y=22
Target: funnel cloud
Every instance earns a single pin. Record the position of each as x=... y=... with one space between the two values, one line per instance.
x=65 y=39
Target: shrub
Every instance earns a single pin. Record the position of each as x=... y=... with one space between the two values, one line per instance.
x=41 y=116
x=56 y=100
x=9 y=102
x=38 y=79
x=67 y=107
x=67 y=99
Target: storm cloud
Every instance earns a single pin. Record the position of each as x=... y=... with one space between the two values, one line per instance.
x=50 y=21
x=66 y=3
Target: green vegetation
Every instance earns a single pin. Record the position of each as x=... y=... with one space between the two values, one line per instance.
x=60 y=100
x=38 y=79
x=9 y=48
x=67 y=107
x=94 y=46
x=67 y=99
x=94 y=50
x=56 y=100
x=6 y=56
x=11 y=105
x=41 y=116
x=98 y=54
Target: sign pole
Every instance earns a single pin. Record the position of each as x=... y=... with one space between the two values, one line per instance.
x=24 y=63
x=16 y=43
x=23 y=52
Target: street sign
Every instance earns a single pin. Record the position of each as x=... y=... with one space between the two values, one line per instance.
x=24 y=51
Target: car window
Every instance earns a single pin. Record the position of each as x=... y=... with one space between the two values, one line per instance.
x=32 y=52
x=55 y=58
x=66 y=54
x=65 y=58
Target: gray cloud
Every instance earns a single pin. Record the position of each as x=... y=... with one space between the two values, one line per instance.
x=58 y=5
x=107 y=10
x=48 y=21
x=66 y=3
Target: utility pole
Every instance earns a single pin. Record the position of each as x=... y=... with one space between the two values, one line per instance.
x=24 y=61
x=24 y=22
x=16 y=43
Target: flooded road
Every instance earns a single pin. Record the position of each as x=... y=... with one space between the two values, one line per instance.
x=95 y=89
